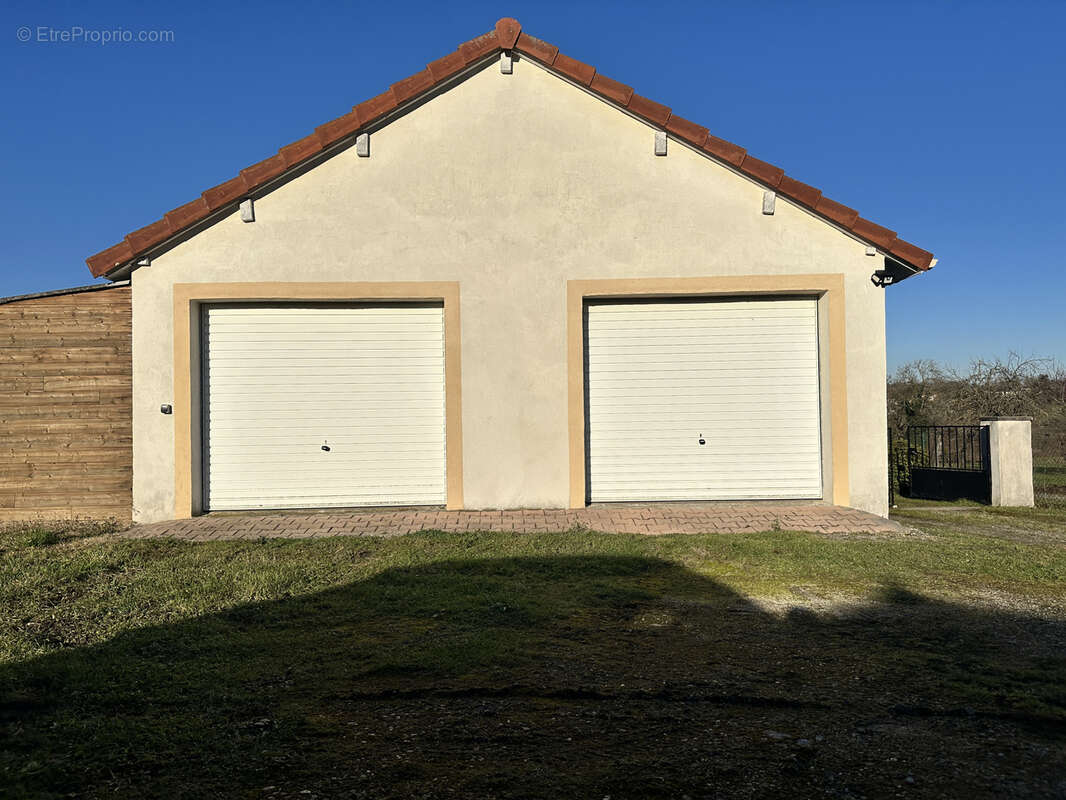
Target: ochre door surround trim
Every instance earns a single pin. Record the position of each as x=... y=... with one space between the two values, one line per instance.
x=188 y=297
x=831 y=286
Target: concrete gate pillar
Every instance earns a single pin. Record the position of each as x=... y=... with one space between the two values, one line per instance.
x=1010 y=446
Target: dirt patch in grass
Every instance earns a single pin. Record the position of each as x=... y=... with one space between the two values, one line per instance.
x=1025 y=525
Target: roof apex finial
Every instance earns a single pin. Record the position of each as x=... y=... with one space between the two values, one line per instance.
x=507 y=30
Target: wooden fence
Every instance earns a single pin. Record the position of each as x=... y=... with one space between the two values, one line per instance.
x=65 y=405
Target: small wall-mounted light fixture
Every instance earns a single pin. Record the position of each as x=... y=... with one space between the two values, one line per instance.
x=882 y=278
x=166 y=408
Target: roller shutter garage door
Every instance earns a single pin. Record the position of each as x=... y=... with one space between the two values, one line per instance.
x=703 y=400
x=331 y=405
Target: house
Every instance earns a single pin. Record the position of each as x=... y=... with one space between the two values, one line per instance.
x=508 y=281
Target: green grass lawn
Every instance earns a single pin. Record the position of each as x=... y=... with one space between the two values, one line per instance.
x=1049 y=482
x=573 y=664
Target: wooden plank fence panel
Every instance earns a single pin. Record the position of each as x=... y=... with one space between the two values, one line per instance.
x=66 y=439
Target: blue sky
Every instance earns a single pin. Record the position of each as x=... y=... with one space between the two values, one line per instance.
x=945 y=122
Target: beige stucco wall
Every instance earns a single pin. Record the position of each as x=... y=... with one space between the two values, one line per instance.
x=511 y=185
x=1010 y=446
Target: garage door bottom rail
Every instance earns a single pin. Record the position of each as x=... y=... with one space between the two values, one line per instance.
x=651 y=518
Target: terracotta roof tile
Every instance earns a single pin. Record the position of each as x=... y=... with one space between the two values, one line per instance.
x=840 y=214
x=612 y=89
x=574 y=69
x=107 y=260
x=478 y=47
x=689 y=131
x=375 y=107
x=298 y=151
x=767 y=173
x=414 y=85
x=873 y=232
x=800 y=192
x=149 y=235
x=649 y=109
x=186 y=215
x=507 y=30
x=540 y=50
x=338 y=128
x=506 y=35
x=233 y=189
x=444 y=68
x=912 y=254
x=726 y=151
x=266 y=169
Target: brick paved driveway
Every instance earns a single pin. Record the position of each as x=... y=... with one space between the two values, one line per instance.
x=656 y=518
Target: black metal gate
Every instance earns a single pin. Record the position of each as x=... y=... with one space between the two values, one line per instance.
x=942 y=462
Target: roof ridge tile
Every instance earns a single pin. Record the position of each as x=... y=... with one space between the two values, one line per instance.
x=726 y=151
x=687 y=130
x=537 y=48
x=507 y=31
x=265 y=170
x=376 y=107
x=301 y=149
x=338 y=128
x=764 y=171
x=110 y=258
x=412 y=85
x=149 y=234
x=912 y=254
x=191 y=212
x=799 y=191
x=838 y=212
x=446 y=66
x=611 y=89
x=226 y=192
x=875 y=233
x=576 y=70
x=478 y=47
x=653 y=112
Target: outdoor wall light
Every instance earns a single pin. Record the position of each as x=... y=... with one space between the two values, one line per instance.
x=881 y=277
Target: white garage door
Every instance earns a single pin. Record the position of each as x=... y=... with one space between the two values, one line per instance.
x=704 y=400
x=323 y=405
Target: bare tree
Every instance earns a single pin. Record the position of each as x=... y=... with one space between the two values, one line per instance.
x=998 y=387
x=913 y=394
x=926 y=393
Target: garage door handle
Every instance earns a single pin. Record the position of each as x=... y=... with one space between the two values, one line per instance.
x=325 y=447
x=702 y=440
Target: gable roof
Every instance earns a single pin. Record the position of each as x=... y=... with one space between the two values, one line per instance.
x=507 y=36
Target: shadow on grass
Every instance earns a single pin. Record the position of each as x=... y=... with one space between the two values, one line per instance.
x=547 y=677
